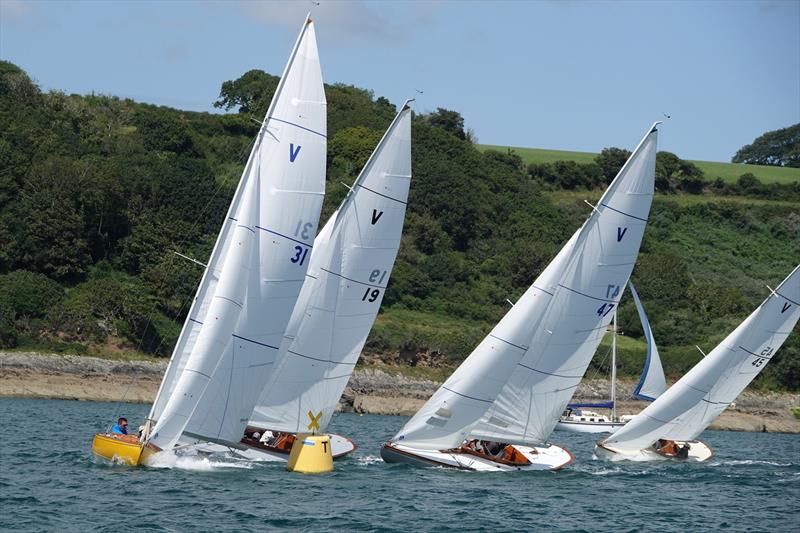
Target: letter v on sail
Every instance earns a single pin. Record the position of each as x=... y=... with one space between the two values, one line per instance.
x=255 y=272
x=506 y=397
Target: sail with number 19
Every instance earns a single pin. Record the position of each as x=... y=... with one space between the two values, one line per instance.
x=497 y=410
x=669 y=427
x=347 y=278
x=253 y=277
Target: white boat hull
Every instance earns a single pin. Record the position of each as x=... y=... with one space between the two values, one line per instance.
x=541 y=458
x=340 y=447
x=698 y=452
x=588 y=427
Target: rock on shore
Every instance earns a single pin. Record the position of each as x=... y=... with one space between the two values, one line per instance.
x=370 y=390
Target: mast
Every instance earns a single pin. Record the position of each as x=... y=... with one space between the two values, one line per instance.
x=614 y=371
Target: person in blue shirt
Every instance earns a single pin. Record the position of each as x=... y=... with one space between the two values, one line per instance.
x=121 y=427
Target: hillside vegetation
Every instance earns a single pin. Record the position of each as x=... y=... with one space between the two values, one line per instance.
x=97 y=192
x=729 y=172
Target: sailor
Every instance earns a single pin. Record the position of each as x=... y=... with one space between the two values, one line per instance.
x=683 y=451
x=494 y=447
x=121 y=427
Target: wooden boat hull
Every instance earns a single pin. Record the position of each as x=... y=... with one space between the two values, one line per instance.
x=341 y=446
x=588 y=427
x=541 y=458
x=698 y=452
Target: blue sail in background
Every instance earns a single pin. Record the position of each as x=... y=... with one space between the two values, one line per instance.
x=652 y=383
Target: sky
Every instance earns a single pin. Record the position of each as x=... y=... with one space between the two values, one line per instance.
x=570 y=75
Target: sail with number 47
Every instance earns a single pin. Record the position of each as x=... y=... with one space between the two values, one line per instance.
x=512 y=388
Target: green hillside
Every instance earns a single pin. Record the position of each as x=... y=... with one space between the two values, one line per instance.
x=97 y=192
x=729 y=172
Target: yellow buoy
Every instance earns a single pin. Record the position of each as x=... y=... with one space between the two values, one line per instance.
x=311 y=454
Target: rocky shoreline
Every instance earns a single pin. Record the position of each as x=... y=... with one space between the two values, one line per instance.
x=380 y=390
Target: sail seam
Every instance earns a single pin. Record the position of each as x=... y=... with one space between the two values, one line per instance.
x=254 y=342
x=523 y=348
x=624 y=213
x=755 y=354
x=586 y=295
x=299 y=126
x=548 y=373
x=543 y=290
x=196 y=321
x=785 y=298
x=309 y=357
x=380 y=194
x=465 y=396
x=351 y=279
x=231 y=300
x=285 y=236
x=197 y=372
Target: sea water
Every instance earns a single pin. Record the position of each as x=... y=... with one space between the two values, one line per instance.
x=49 y=480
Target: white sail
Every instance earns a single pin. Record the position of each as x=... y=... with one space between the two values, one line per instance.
x=652 y=382
x=225 y=349
x=528 y=407
x=349 y=271
x=446 y=418
x=693 y=402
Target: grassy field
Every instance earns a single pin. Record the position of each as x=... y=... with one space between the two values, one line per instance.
x=729 y=172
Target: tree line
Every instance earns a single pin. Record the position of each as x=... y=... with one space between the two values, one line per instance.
x=98 y=192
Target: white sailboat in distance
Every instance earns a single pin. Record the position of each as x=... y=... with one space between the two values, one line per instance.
x=253 y=277
x=669 y=427
x=651 y=384
x=497 y=410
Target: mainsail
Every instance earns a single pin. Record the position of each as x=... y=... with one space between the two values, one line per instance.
x=694 y=401
x=652 y=382
x=446 y=418
x=257 y=266
x=467 y=403
x=580 y=309
x=347 y=278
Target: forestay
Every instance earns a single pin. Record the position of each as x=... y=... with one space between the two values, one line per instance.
x=693 y=402
x=581 y=308
x=257 y=267
x=349 y=271
x=652 y=382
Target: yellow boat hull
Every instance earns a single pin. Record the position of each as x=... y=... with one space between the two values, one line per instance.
x=119 y=451
x=116 y=450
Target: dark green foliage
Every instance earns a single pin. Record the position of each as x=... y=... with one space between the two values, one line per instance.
x=28 y=294
x=113 y=304
x=449 y=121
x=673 y=173
x=97 y=192
x=779 y=148
x=610 y=161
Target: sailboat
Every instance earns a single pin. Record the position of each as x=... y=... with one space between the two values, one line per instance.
x=498 y=408
x=255 y=272
x=651 y=384
x=669 y=427
x=349 y=270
